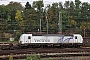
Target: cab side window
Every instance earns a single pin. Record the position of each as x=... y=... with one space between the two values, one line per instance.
x=75 y=37
x=29 y=37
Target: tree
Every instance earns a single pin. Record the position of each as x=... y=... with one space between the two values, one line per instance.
x=52 y=17
x=3 y=17
x=12 y=8
x=72 y=7
x=38 y=4
x=18 y=18
x=85 y=10
x=60 y=5
x=73 y=14
x=77 y=4
x=27 y=6
x=31 y=18
x=73 y=22
x=67 y=4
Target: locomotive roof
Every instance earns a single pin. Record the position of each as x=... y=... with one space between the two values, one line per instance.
x=52 y=35
x=59 y=34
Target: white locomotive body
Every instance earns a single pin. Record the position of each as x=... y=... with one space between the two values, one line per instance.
x=28 y=39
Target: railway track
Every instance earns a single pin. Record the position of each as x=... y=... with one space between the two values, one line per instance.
x=45 y=52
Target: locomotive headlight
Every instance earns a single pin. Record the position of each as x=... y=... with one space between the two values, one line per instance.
x=20 y=42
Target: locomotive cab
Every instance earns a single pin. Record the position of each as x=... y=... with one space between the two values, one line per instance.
x=78 y=40
x=25 y=38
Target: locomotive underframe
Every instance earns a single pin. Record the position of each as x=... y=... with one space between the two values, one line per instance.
x=51 y=45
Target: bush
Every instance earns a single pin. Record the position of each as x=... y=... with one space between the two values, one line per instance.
x=17 y=36
x=33 y=57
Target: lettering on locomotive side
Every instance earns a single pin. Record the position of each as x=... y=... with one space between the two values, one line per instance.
x=67 y=39
x=42 y=40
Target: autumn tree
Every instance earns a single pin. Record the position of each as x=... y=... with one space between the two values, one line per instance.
x=18 y=18
x=73 y=13
x=12 y=8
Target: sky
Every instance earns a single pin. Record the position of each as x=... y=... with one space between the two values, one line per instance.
x=46 y=2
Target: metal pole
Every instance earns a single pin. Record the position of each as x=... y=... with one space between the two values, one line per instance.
x=60 y=22
x=47 y=26
x=84 y=32
x=46 y=19
x=40 y=25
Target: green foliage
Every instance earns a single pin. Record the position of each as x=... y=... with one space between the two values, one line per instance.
x=27 y=6
x=17 y=36
x=33 y=57
x=14 y=6
x=72 y=14
x=50 y=58
x=37 y=57
x=38 y=4
x=67 y=3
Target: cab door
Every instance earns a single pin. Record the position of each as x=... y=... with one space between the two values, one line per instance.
x=26 y=39
x=29 y=39
x=76 y=39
